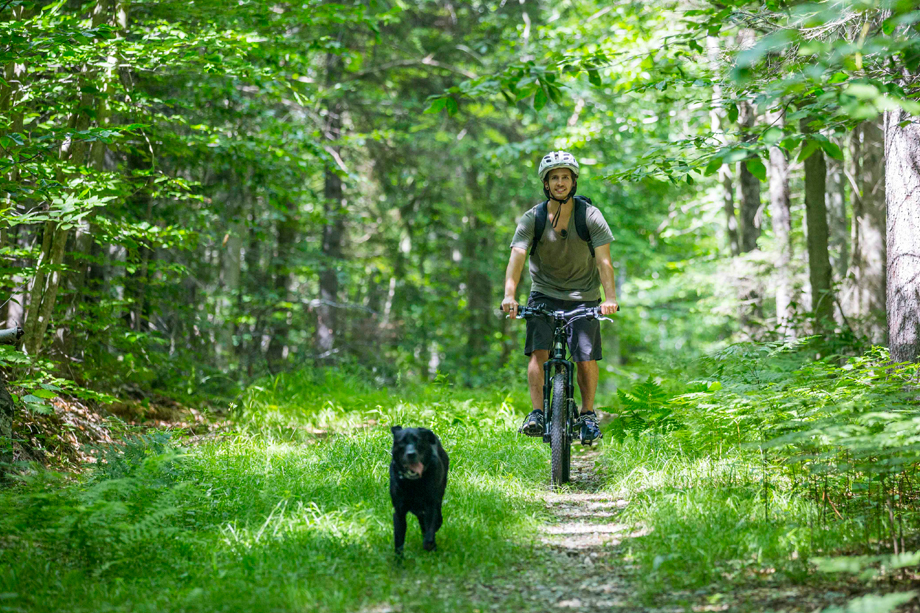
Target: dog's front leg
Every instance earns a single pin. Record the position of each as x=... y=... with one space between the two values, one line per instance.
x=399 y=529
x=429 y=527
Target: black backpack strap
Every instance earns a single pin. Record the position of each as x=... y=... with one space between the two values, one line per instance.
x=581 y=221
x=539 y=224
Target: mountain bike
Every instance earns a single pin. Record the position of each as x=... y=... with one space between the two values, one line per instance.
x=560 y=413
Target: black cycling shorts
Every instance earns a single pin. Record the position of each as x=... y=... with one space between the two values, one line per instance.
x=583 y=336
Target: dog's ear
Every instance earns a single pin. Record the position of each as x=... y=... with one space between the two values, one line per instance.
x=430 y=437
x=395 y=429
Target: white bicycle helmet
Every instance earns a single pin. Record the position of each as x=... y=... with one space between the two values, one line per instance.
x=558 y=159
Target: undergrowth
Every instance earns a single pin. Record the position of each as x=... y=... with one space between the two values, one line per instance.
x=271 y=517
x=764 y=463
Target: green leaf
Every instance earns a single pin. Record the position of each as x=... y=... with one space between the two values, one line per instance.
x=808 y=148
x=539 y=99
x=756 y=168
x=594 y=77
x=436 y=105
x=733 y=112
x=46 y=394
x=832 y=149
x=772 y=135
x=451 y=105
x=713 y=166
x=862 y=90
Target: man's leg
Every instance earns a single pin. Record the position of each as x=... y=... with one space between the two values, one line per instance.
x=535 y=377
x=587 y=375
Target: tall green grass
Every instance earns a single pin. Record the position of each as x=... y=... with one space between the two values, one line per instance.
x=760 y=460
x=704 y=519
x=272 y=518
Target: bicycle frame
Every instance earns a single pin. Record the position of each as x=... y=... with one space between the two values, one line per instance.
x=558 y=360
x=559 y=430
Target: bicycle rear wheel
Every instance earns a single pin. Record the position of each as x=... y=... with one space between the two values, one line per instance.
x=558 y=439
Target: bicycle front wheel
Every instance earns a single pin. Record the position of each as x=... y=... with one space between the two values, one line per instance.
x=558 y=439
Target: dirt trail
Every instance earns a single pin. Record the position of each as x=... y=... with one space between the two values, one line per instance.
x=583 y=569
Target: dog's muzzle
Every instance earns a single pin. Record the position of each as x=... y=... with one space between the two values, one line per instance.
x=412 y=472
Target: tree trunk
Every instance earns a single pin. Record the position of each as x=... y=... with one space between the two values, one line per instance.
x=749 y=185
x=333 y=231
x=866 y=279
x=477 y=246
x=7 y=413
x=819 y=265
x=716 y=116
x=902 y=195
x=254 y=278
x=44 y=294
x=44 y=290
x=781 y=218
x=14 y=74
x=835 y=201
x=281 y=279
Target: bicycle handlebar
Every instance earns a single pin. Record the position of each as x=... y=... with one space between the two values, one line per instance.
x=525 y=312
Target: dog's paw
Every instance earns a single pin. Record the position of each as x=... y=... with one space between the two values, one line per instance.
x=429 y=546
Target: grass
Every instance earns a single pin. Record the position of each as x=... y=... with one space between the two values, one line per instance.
x=270 y=518
x=290 y=512
x=707 y=522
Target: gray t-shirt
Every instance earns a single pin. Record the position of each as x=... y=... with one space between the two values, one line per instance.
x=563 y=267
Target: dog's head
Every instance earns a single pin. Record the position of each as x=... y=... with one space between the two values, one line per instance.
x=413 y=450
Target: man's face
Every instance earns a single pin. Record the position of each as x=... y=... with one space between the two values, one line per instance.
x=559 y=182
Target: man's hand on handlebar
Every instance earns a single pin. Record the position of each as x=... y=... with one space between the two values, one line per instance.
x=608 y=307
x=510 y=306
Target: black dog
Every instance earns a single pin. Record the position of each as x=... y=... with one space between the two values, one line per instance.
x=418 y=478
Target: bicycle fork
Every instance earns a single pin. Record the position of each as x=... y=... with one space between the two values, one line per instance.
x=569 y=403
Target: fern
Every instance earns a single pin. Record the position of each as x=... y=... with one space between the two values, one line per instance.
x=646 y=408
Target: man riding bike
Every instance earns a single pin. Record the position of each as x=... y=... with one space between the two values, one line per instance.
x=569 y=262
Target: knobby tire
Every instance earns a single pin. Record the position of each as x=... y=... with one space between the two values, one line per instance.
x=558 y=436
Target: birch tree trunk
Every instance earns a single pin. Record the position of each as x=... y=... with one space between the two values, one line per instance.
x=781 y=219
x=866 y=282
x=819 y=265
x=902 y=195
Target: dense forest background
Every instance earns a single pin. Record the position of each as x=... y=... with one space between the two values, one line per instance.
x=244 y=238
x=200 y=194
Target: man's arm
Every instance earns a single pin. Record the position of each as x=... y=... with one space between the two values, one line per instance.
x=605 y=268
x=513 y=276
